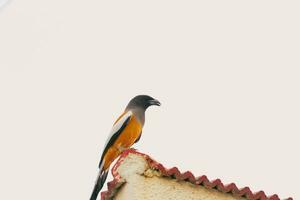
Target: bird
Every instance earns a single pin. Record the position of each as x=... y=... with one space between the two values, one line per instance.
x=126 y=131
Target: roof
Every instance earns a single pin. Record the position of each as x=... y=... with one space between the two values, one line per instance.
x=185 y=176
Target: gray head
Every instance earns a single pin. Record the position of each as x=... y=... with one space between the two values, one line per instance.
x=143 y=102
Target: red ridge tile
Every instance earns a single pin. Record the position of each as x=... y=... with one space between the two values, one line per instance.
x=186 y=176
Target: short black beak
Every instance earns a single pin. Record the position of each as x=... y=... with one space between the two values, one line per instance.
x=154 y=102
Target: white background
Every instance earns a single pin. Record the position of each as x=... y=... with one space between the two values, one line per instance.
x=226 y=72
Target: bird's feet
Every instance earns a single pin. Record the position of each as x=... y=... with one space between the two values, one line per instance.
x=133 y=149
x=122 y=149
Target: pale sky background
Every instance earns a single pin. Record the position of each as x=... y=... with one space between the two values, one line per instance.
x=227 y=74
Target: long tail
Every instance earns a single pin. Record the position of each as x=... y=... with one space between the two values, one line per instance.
x=99 y=184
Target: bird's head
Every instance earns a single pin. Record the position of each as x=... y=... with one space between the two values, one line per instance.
x=143 y=101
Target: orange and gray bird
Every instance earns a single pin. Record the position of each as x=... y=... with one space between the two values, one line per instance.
x=125 y=132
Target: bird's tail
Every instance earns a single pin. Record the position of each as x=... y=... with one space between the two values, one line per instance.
x=99 y=184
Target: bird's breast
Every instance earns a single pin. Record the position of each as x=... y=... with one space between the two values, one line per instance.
x=130 y=134
x=125 y=140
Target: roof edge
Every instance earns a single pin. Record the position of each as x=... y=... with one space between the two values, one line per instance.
x=187 y=176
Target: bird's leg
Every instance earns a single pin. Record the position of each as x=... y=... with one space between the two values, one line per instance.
x=121 y=149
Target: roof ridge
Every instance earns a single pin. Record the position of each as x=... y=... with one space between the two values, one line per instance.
x=188 y=176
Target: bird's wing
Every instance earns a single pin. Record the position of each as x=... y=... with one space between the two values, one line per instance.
x=116 y=130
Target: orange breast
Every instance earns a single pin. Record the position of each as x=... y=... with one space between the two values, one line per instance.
x=126 y=139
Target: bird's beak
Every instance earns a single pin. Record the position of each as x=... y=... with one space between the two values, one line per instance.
x=154 y=102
